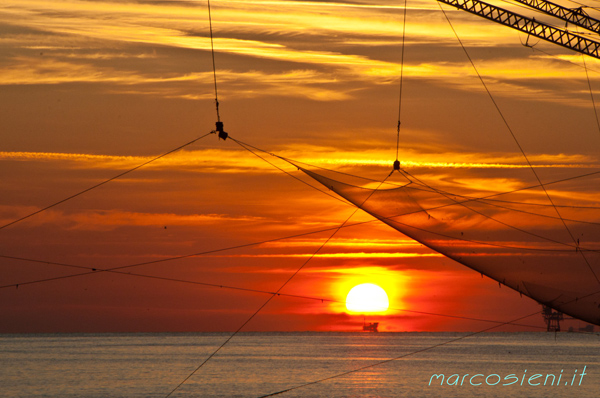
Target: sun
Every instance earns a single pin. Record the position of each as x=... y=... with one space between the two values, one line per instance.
x=367 y=297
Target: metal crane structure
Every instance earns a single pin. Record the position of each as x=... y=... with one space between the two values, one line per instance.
x=576 y=16
x=541 y=30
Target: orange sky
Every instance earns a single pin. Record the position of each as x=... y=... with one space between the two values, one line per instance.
x=90 y=89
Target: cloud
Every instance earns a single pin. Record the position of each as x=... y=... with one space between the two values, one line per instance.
x=217 y=160
x=45 y=70
x=110 y=219
x=362 y=255
x=27 y=70
x=349 y=50
x=348 y=243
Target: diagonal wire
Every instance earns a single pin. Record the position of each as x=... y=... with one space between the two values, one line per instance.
x=587 y=76
x=99 y=270
x=575 y=241
x=247 y=146
x=278 y=290
x=382 y=362
x=248 y=290
x=103 y=182
x=184 y=256
x=213 y=251
x=295 y=162
x=443 y=193
x=395 y=358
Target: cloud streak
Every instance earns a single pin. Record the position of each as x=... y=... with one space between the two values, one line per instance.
x=218 y=159
x=313 y=74
x=362 y=255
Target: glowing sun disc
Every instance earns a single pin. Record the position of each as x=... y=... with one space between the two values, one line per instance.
x=367 y=297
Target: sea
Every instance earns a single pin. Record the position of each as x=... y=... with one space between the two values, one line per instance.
x=303 y=364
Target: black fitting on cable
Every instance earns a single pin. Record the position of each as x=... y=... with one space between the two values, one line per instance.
x=397 y=165
x=222 y=134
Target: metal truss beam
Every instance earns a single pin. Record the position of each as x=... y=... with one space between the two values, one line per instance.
x=576 y=16
x=528 y=25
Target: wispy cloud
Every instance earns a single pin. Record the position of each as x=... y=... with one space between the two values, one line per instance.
x=264 y=30
x=340 y=255
x=217 y=159
x=294 y=83
x=109 y=219
x=348 y=243
x=27 y=70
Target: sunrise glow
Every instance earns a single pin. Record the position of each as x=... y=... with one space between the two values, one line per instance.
x=92 y=89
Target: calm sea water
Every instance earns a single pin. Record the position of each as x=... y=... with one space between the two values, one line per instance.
x=257 y=364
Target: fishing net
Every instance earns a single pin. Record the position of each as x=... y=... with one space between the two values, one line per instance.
x=547 y=250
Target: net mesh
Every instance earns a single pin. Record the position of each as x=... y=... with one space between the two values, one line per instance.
x=548 y=252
